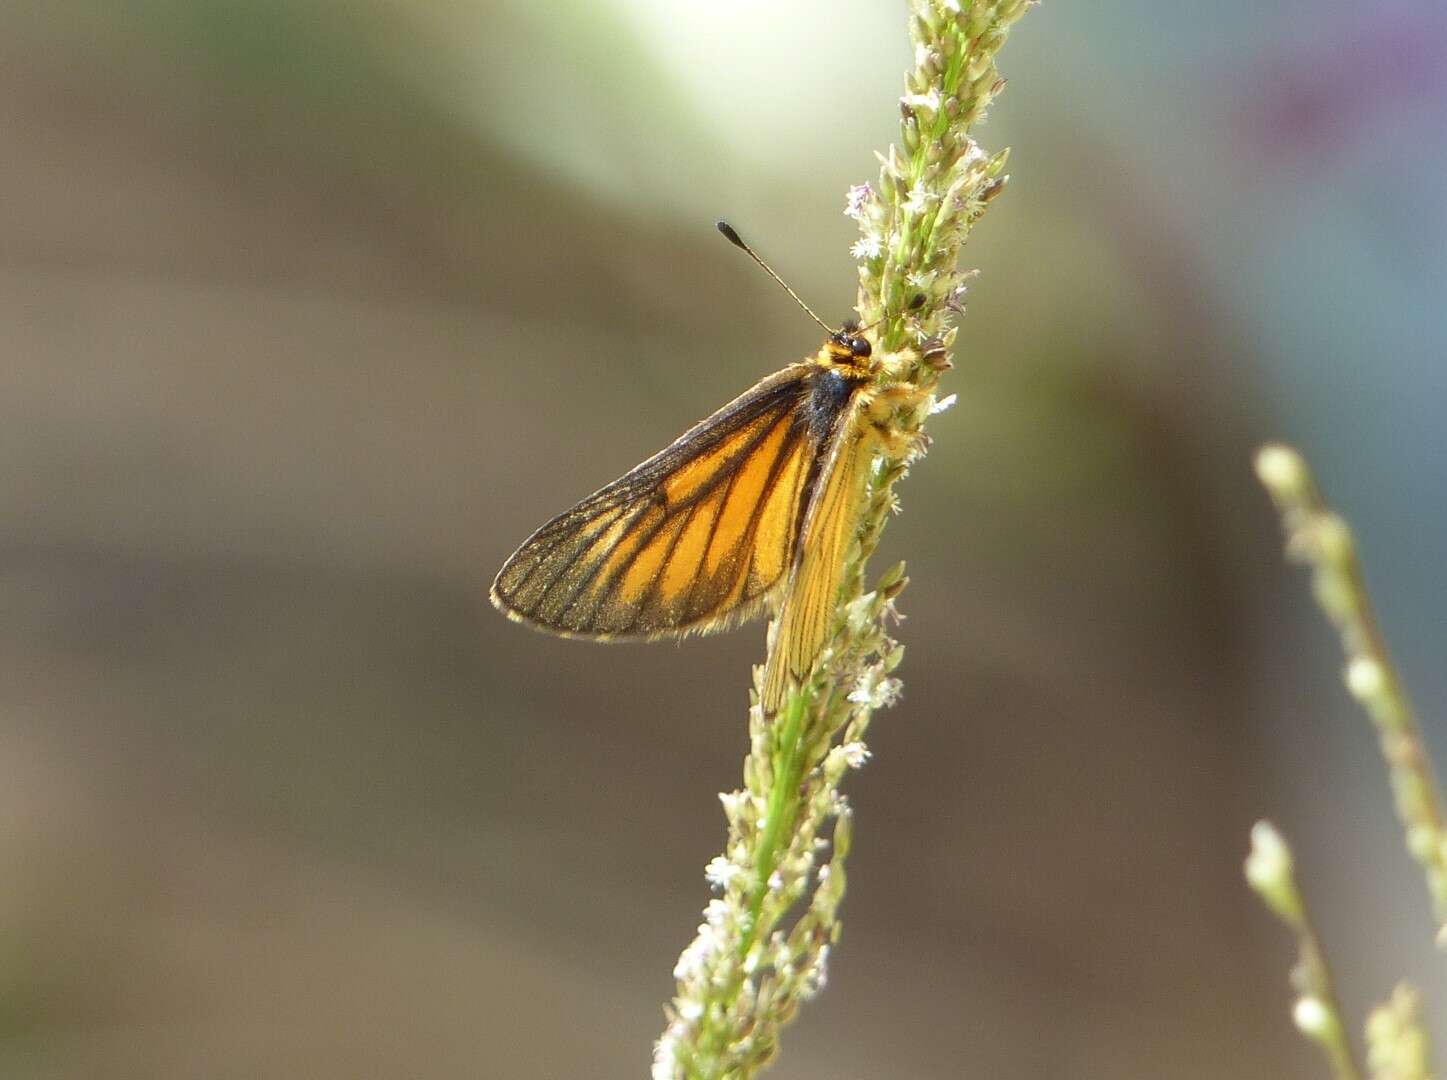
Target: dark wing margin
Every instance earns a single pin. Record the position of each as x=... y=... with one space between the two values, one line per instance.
x=694 y=539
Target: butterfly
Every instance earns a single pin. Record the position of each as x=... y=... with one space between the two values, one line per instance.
x=751 y=508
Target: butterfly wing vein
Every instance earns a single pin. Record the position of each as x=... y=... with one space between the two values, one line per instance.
x=695 y=538
x=754 y=504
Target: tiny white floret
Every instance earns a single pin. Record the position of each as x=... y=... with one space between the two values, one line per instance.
x=692 y=960
x=717 y=912
x=1269 y=864
x=720 y=871
x=918 y=200
x=930 y=100
x=665 y=1065
x=1280 y=468
x=866 y=247
x=1365 y=678
x=858 y=197
x=817 y=977
x=1312 y=1017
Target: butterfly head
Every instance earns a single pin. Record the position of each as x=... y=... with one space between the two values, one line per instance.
x=849 y=346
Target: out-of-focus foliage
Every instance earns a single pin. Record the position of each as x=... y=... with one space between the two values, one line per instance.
x=280 y=792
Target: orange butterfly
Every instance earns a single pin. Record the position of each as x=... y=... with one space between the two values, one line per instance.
x=754 y=506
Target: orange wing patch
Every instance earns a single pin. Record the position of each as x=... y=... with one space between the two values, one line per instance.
x=748 y=487
x=779 y=522
x=696 y=537
x=688 y=552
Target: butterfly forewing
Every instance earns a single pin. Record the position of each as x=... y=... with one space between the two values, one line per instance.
x=694 y=538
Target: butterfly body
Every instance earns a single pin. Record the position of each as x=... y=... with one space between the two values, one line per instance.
x=752 y=507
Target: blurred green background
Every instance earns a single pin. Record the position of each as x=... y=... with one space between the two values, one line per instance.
x=313 y=310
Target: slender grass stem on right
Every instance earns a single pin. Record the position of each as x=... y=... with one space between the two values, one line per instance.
x=1270 y=870
x=1321 y=539
x=1396 y=1040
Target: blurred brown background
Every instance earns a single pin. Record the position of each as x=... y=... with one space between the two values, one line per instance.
x=313 y=310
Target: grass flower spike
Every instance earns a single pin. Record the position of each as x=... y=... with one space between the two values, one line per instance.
x=1317 y=536
x=1397 y=1047
x=764 y=944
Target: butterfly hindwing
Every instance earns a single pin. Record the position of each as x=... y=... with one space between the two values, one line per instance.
x=828 y=528
x=693 y=539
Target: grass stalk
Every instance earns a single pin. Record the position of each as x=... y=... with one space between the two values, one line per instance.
x=1396 y=1040
x=1321 y=539
x=764 y=943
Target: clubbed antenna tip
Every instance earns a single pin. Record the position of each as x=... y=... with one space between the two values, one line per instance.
x=733 y=237
x=737 y=241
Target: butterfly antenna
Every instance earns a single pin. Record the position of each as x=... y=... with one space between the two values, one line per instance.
x=737 y=241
